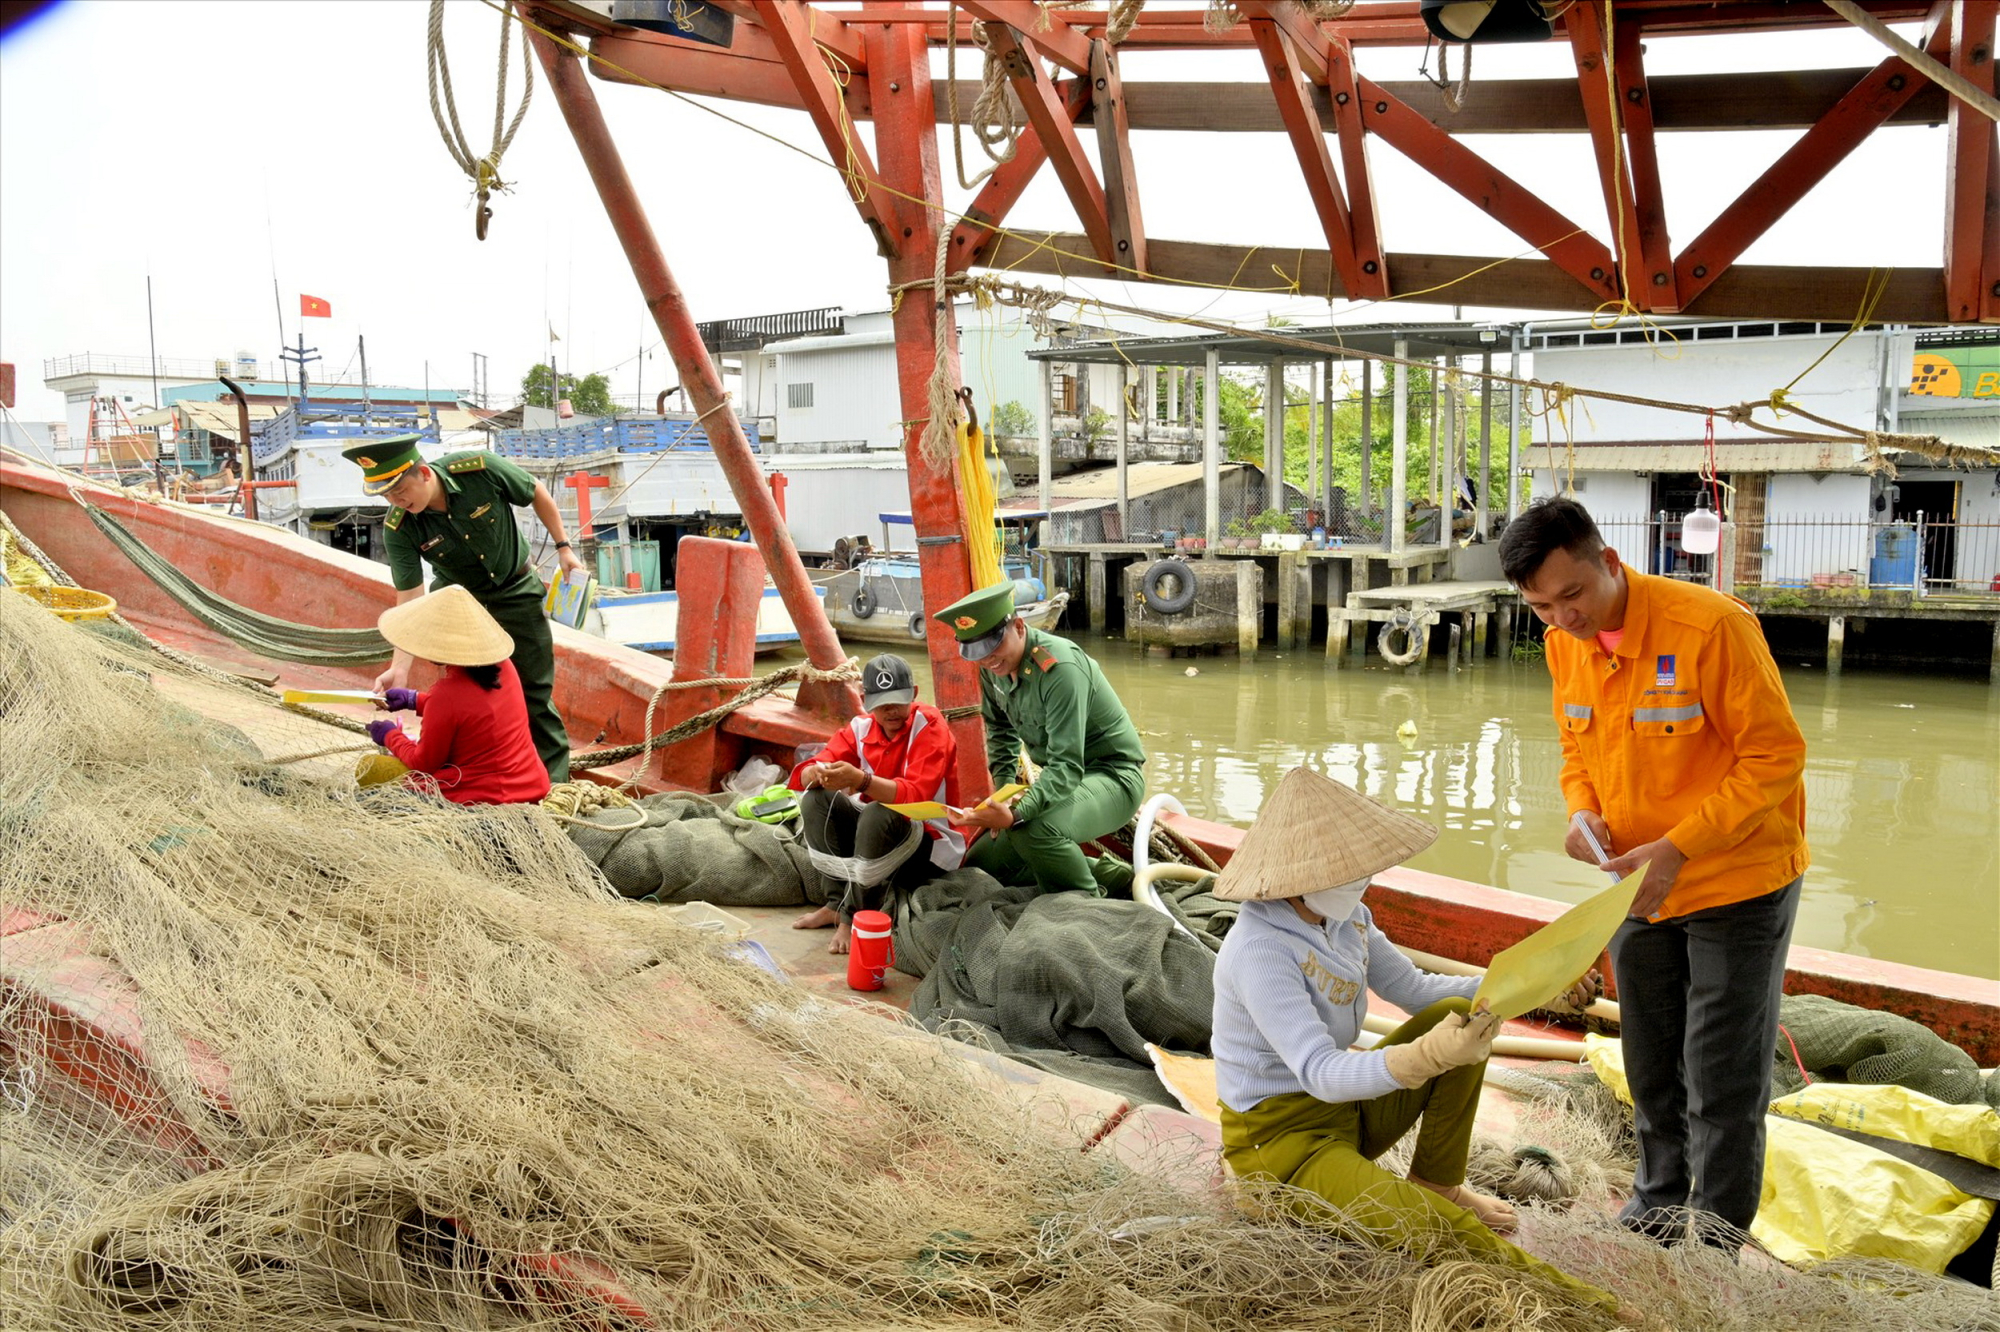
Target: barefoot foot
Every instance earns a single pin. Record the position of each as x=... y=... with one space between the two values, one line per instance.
x=840 y=937
x=1495 y=1214
x=818 y=920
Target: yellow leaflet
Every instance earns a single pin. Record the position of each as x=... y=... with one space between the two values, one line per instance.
x=331 y=696
x=924 y=810
x=1556 y=956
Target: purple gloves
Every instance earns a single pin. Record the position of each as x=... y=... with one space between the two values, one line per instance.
x=378 y=730
x=399 y=700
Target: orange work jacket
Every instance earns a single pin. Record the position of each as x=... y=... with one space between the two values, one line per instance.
x=1685 y=733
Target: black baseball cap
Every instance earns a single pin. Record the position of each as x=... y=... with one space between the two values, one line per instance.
x=887 y=679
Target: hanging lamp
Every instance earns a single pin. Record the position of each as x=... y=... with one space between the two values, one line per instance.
x=1701 y=530
x=1487 y=20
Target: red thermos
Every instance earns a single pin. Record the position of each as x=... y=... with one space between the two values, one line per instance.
x=869 y=950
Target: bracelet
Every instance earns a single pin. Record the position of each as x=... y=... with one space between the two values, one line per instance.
x=562 y=545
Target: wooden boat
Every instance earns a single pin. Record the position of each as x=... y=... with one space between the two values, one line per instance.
x=603 y=689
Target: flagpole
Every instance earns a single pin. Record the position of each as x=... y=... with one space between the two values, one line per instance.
x=278 y=304
x=153 y=346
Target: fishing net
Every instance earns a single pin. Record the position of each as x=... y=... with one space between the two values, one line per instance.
x=275 y=1054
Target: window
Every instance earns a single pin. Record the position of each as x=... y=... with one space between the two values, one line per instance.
x=798 y=396
x=1063 y=387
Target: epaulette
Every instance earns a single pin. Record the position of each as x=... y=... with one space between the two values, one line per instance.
x=1044 y=658
x=394 y=519
x=475 y=462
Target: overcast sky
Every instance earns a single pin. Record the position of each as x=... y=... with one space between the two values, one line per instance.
x=216 y=146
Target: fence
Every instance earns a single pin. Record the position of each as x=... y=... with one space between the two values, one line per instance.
x=1918 y=554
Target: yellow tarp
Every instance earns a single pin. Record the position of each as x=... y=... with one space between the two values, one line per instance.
x=1826 y=1196
x=1556 y=956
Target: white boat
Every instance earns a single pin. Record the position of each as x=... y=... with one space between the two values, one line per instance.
x=648 y=621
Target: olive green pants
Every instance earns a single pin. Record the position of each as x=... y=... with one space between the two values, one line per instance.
x=1046 y=849
x=1329 y=1149
x=518 y=608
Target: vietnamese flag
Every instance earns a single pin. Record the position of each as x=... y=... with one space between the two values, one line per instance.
x=314 y=307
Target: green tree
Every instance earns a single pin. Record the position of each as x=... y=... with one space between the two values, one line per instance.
x=589 y=396
x=1011 y=421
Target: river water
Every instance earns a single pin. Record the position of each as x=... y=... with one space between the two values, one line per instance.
x=1902 y=779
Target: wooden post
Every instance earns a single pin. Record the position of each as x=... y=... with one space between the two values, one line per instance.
x=1211 y=446
x=1481 y=514
x=1294 y=618
x=1399 y=455
x=1336 y=635
x=1094 y=591
x=1249 y=606
x=1124 y=443
x=1836 y=639
x=1274 y=434
x=1367 y=433
x=1312 y=434
x=1045 y=437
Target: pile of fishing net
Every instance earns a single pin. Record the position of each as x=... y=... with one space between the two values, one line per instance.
x=277 y=1058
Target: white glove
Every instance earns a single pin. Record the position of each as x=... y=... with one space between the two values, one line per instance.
x=1452 y=1043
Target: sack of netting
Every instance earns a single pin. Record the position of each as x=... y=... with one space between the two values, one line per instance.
x=683 y=848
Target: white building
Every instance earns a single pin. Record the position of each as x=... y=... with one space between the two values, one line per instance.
x=1807 y=514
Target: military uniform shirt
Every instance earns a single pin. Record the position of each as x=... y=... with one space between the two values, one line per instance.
x=474 y=542
x=1062 y=708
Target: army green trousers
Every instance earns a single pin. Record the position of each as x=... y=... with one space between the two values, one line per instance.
x=1046 y=850
x=1328 y=1149
x=518 y=608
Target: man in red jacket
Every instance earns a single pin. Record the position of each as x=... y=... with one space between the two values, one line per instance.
x=901 y=753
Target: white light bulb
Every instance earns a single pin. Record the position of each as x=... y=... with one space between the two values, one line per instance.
x=1701 y=532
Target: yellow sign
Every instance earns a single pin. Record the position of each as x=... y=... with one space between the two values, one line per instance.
x=1556 y=956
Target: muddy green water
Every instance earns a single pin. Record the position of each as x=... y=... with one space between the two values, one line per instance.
x=1902 y=779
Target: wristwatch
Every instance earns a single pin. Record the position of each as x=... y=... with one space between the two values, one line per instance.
x=562 y=545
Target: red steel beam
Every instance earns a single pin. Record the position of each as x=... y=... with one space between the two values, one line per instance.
x=1585 y=26
x=1789 y=179
x=1636 y=101
x=793 y=28
x=972 y=239
x=1114 y=152
x=1059 y=41
x=1050 y=117
x=1363 y=217
x=1513 y=206
x=1295 y=105
x=1972 y=198
x=906 y=127
x=676 y=323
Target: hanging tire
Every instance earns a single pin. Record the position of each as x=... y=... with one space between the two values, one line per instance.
x=1415 y=636
x=863 y=604
x=1165 y=597
x=917 y=625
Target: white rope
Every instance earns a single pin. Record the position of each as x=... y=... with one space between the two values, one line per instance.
x=484 y=171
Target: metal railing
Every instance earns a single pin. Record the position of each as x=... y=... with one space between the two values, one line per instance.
x=1822 y=557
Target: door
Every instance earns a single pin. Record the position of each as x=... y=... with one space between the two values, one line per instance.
x=1937 y=553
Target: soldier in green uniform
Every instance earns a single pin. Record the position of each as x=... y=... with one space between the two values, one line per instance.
x=1045 y=692
x=459 y=516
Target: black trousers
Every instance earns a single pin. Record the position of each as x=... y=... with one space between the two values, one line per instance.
x=835 y=825
x=1698 y=1000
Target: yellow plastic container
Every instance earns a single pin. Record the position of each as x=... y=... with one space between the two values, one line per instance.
x=72 y=603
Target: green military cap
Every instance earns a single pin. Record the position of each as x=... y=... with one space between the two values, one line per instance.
x=384 y=460
x=979 y=619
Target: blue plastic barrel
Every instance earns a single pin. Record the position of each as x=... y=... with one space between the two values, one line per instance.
x=1895 y=560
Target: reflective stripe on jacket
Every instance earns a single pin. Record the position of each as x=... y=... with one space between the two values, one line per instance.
x=1684 y=732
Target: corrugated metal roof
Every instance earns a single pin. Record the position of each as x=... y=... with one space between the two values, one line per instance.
x=1762 y=455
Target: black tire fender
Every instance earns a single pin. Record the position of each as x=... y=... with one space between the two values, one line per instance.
x=916 y=624
x=1415 y=634
x=1160 y=603
x=863 y=604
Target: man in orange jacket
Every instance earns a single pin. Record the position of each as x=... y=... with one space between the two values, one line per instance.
x=1681 y=754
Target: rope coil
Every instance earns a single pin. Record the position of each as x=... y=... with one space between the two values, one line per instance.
x=482 y=170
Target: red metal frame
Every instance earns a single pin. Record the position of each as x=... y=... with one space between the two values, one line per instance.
x=1972 y=207
x=1051 y=120
x=1285 y=61
x=699 y=379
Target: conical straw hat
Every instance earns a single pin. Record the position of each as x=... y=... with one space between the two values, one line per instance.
x=1316 y=833
x=448 y=627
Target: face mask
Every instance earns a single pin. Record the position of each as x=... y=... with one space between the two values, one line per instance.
x=1336 y=904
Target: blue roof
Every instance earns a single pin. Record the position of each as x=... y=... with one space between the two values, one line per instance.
x=214 y=392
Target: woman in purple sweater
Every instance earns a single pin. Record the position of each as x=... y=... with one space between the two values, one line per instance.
x=1291 y=989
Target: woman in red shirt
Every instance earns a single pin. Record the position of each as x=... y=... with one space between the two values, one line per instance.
x=476 y=745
